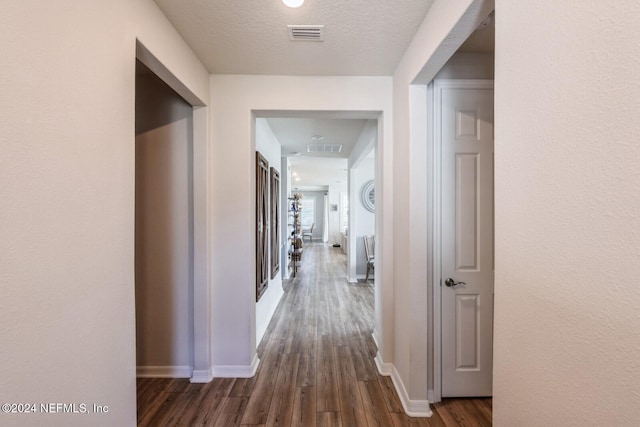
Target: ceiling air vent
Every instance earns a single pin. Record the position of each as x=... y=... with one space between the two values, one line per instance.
x=310 y=33
x=324 y=148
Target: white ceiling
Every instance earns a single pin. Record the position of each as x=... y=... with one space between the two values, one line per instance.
x=295 y=134
x=317 y=170
x=310 y=173
x=362 y=37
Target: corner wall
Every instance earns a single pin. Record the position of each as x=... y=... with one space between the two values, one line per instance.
x=567 y=214
x=67 y=186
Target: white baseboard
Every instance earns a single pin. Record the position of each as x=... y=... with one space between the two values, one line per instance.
x=413 y=408
x=374 y=335
x=237 y=371
x=164 y=371
x=202 y=376
x=385 y=369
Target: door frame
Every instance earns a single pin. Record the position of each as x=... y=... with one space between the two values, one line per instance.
x=434 y=209
x=200 y=287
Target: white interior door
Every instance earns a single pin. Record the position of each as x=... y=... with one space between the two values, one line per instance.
x=467 y=239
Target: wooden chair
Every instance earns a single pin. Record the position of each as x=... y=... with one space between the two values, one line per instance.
x=309 y=233
x=369 y=251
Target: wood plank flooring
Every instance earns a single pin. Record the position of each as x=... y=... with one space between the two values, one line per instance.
x=317 y=367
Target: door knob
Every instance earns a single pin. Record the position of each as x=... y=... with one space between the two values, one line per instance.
x=451 y=283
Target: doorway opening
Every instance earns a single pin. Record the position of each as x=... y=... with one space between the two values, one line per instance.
x=459 y=115
x=163 y=229
x=324 y=160
x=171 y=287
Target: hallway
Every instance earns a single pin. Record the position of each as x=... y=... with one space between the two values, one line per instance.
x=317 y=367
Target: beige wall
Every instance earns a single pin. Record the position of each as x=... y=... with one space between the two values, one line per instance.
x=163 y=229
x=567 y=317
x=67 y=189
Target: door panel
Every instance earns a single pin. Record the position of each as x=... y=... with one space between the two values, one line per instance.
x=466 y=226
x=467 y=337
x=467 y=241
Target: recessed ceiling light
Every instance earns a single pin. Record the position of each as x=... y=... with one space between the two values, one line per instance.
x=317 y=137
x=294 y=173
x=297 y=179
x=293 y=3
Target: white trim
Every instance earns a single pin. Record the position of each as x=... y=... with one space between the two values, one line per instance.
x=385 y=369
x=164 y=371
x=374 y=335
x=413 y=408
x=237 y=371
x=203 y=376
x=434 y=164
x=199 y=286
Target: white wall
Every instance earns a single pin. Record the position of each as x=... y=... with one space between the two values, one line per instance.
x=269 y=146
x=233 y=99
x=67 y=186
x=163 y=229
x=567 y=334
x=364 y=222
x=367 y=142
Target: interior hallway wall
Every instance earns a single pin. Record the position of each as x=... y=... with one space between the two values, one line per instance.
x=567 y=306
x=163 y=229
x=67 y=185
x=364 y=221
x=269 y=146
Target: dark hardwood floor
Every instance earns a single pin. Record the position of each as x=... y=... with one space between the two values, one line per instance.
x=317 y=367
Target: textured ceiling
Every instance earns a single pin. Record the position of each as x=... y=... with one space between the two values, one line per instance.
x=362 y=37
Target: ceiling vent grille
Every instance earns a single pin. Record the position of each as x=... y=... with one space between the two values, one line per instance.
x=324 y=148
x=310 y=33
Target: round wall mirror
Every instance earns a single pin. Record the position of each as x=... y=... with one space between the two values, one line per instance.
x=368 y=196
